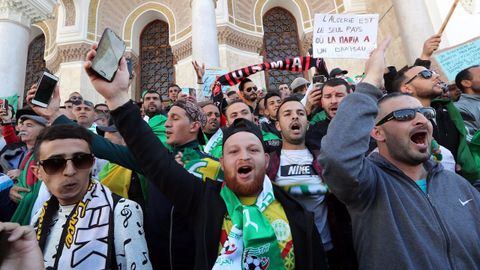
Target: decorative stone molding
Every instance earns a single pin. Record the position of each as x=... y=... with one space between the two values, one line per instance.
x=27 y=12
x=182 y=50
x=69 y=12
x=239 y=40
x=214 y=2
x=67 y=53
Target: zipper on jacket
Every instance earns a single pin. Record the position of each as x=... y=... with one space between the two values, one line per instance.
x=442 y=227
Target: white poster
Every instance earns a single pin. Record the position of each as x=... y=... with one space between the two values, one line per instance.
x=344 y=35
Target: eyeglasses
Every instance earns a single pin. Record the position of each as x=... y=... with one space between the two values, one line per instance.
x=57 y=164
x=426 y=74
x=407 y=115
x=249 y=89
x=75 y=98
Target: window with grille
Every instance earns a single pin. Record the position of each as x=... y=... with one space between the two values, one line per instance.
x=156 y=58
x=280 y=41
x=35 y=62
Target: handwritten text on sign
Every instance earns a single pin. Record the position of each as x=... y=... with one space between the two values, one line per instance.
x=453 y=60
x=344 y=35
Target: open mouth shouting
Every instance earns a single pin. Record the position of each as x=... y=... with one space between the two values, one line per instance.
x=295 y=127
x=245 y=171
x=419 y=138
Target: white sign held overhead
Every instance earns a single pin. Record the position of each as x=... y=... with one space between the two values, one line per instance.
x=344 y=35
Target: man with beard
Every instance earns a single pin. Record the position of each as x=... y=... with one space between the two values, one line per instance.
x=271 y=102
x=239 y=109
x=468 y=81
x=237 y=214
x=448 y=126
x=213 y=118
x=331 y=95
x=85 y=114
x=248 y=92
x=152 y=106
x=295 y=168
x=402 y=204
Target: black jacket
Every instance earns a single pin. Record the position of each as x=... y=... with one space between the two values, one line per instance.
x=201 y=201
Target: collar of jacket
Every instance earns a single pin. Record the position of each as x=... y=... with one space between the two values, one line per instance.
x=193 y=145
x=429 y=165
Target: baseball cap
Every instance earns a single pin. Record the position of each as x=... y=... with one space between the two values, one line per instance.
x=337 y=71
x=196 y=114
x=239 y=125
x=300 y=81
x=40 y=120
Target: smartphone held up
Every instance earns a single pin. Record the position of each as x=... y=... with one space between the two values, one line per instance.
x=45 y=86
x=109 y=52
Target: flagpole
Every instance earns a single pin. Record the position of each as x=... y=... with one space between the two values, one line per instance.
x=444 y=24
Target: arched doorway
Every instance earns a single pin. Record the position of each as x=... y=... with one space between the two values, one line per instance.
x=280 y=41
x=35 y=62
x=156 y=58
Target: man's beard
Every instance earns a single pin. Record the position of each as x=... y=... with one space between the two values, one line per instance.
x=243 y=189
x=151 y=113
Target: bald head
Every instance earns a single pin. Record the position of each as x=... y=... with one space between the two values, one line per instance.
x=395 y=101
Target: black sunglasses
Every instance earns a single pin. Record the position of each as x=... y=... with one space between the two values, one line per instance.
x=426 y=74
x=102 y=111
x=249 y=89
x=57 y=164
x=407 y=115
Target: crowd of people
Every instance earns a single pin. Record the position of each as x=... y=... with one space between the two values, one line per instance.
x=330 y=174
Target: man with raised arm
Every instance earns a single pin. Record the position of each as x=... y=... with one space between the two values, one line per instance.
x=407 y=211
x=242 y=223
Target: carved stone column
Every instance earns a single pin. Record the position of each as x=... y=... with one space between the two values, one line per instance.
x=415 y=25
x=204 y=33
x=16 y=18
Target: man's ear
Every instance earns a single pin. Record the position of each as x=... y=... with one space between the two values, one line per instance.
x=221 y=162
x=195 y=127
x=378 y=134
x=466 y=83
x=406 y=89
x=36 y=171
x=267 y=160
x=277 y=126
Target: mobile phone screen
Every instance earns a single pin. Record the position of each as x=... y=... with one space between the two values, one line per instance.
x=45 y=89
x=109 y=52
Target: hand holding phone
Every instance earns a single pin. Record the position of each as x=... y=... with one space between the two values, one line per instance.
x=109 y=52
x=45 y=87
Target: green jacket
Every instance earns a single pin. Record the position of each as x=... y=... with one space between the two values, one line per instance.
x=465 y=158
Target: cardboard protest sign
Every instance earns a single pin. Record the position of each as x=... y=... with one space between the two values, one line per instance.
x=452 y=60
x=344 y=35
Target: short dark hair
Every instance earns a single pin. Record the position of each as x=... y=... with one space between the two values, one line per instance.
x=153 y=92
x=60 y=132
x=242 y=83
x=288 y=99
x=174 y=85
x=336 y=82
x=399 y=79
x=100 y=104
x=464 y=75
x=205 y=103
x=68 y=101
x=389 y=96
x=271 y=93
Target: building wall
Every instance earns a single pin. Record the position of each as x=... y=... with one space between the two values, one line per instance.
x=239 y=30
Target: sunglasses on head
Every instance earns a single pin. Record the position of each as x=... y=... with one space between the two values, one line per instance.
x=407 y=115
x=102 y=111
x=426 y=74
x=57 y=164
x=249 y=89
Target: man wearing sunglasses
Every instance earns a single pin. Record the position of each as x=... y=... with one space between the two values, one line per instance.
x=83 y=225
x=448 y=126
x=407 y=211
x=248 y=92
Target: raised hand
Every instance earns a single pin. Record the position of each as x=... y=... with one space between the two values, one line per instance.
x=53 y=109
x=115 y=92
x=376 y=65
x=430 y=46
x=19 y=247
x=199 y=70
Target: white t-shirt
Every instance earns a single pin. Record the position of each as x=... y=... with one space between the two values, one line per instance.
x=296 y=174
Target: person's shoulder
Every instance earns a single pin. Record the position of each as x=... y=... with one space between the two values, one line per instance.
x=125 y=207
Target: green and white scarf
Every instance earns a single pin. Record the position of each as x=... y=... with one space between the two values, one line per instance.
x=251 y=242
